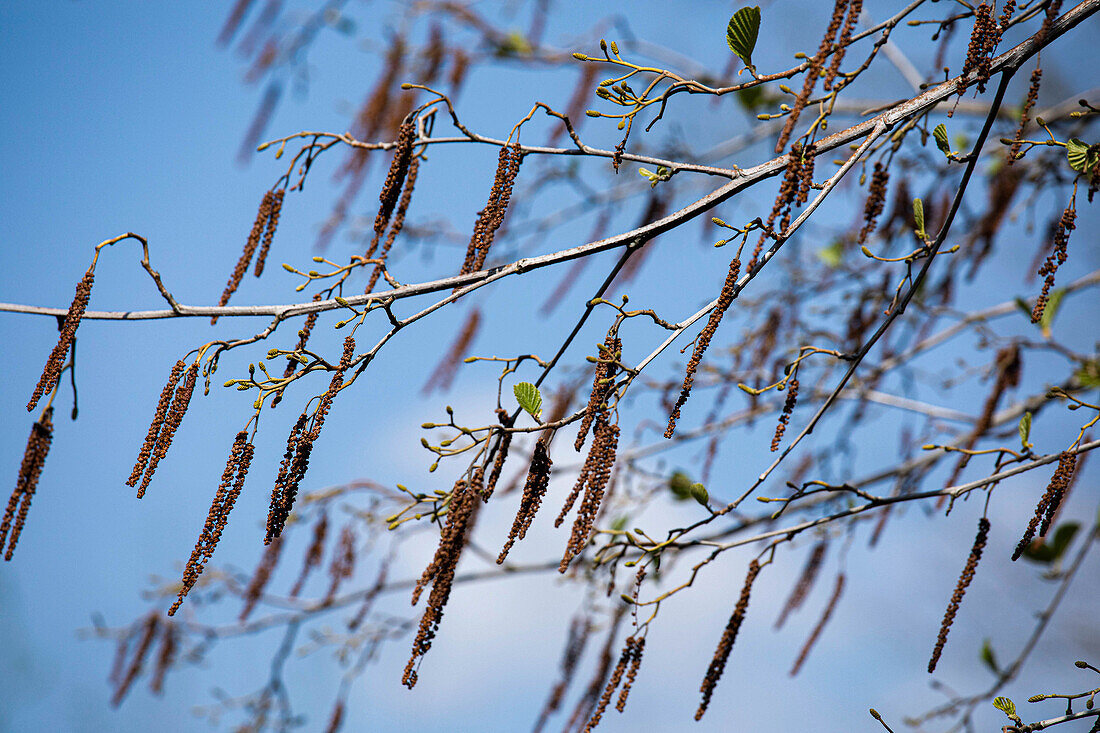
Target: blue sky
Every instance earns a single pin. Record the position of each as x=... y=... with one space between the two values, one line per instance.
x=125 y=117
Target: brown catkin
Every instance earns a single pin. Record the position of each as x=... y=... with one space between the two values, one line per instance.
x=250 y=245
x=804 y=583
x=441 y=570
x=148 y=633
x=812 y=74
x=960 y=589
x=876 y=200
x=725 y=299
x=612 y=684
x=587 y=702
x=602 y=386
x=236 y=470
x=285 y=488
x=492 y=216
x=397 y=224
x=854 y=9
x=268 y=560
x=1055 y=259
x=443 y=375
x=1025 y=115
x=157 y=423
x=781 y=209
x=538 y=478
x=165 y=657
x=51 y=373
x=983 y=38
x=829 y=607
x=172 y=422
x=269 y=229
x=503 y=445
x=632 y=671
x=785 y=416
x=725 y=645
x=395 y=180
x=34 y=457
x=593 y=477
x=303 y=340
x=1049 y=502
x=314 y=554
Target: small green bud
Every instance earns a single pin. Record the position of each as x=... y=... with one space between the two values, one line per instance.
x=580 y=57
x=592 y=113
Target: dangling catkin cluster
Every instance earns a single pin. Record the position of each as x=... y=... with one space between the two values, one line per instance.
x=269 y=230
x=960 y=589
x=303 y=339
x=34 y=457
x=725 y=645
x=291 y=471
x=236 y=470
x=1055 y=259
x=441 y=570
x=788 y=193
x=157 y=424
x=395 y=181
x=51 y=373
x=267 y=218
x=505 y=443
x=983 y=40
x=538 y=478
x=492 y=216
x=855 y=7
x=398 y=223
x=630 y=658
x=876 y=200
x=1049 y=502
x=443 y=375
x=164 y=430
x=829 y=607
x=805 y=582
x=299 y=446
x=785 y=416
x=603 y=385
x=593 y=479
x=702 y=341
x=813 y=73
x=1025 y=114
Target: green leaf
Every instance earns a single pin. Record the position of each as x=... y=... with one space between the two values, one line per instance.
x=741 y=33
x=939 y=134
x=619 y=523
x=699 y=493
x=1006 y=706
x=1025 y=429
x=988 y=657
x=753 y=98
x=1081 y=156
x=1053 y=304
x=528 y=397
x=918 y=217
